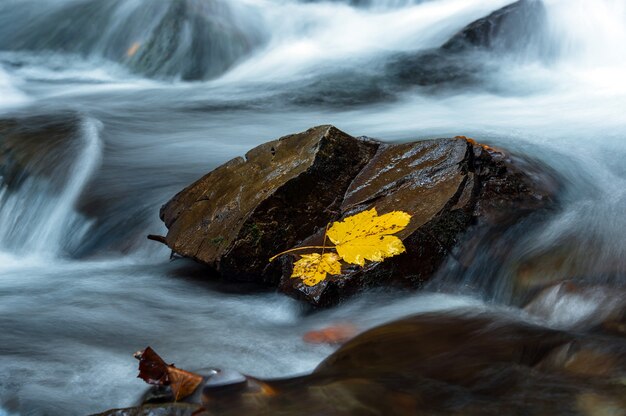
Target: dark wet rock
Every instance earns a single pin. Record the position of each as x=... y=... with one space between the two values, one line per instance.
x=239 y=215
x=187 y=39
x=582 y=358
x=195 y=39
x=74 y=28
x=35 y=146
x=572 y=257
x=599 y=404
x=439 y=348
x=616 y=325
x=285 y=192
x=443 y=364
x=435 y=70
x=448 y=186
x=170 y=409
x=518 y=26
x=465 y=59
x=341 y=89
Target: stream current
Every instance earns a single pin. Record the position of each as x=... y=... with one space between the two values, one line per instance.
x=81 y=288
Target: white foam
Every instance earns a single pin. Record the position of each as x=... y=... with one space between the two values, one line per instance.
x=10 y=94
x=319 y=35
x=589 y=33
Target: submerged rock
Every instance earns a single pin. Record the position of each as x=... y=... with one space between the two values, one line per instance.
x=194 y=40
x=285 y=192
x=76 y=27
x=513 y=28
x=582 y=306
x=333 y=334
x=187 y=39
x=34 y=146
x=441 y=364
x=463 y=60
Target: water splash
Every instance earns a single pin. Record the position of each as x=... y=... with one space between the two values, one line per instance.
x=12 y=97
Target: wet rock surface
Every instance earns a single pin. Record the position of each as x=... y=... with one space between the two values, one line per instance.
x=239 y=215
x=464 y=59
x=186 y=39
x=215 y=42
x=515 y=27
x=442 y=364
x=285 y=192
x=172 y=409
x=32 y=147
x=435 y=70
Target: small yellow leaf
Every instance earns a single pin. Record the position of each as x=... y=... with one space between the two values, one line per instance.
x=366 y=236
x=313 y=268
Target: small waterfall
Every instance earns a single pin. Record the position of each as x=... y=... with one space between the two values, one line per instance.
x=39 y=217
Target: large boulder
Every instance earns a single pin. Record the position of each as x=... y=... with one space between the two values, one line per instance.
x=448 y=186
x=518 y=29
x=239 y=215
x=285 y=192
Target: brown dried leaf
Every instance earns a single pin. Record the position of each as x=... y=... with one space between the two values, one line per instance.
x=183 y=383
x=153 y=370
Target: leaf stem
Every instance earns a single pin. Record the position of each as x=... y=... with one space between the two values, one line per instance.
x=324 y=243
x=298 y=249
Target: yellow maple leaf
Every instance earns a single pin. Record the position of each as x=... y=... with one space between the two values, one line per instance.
x=313 y=268
x=367 y=236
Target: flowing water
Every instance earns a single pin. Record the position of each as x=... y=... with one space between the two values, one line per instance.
x=81 y=288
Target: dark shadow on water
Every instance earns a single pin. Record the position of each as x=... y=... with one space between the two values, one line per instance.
x=202 y=276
